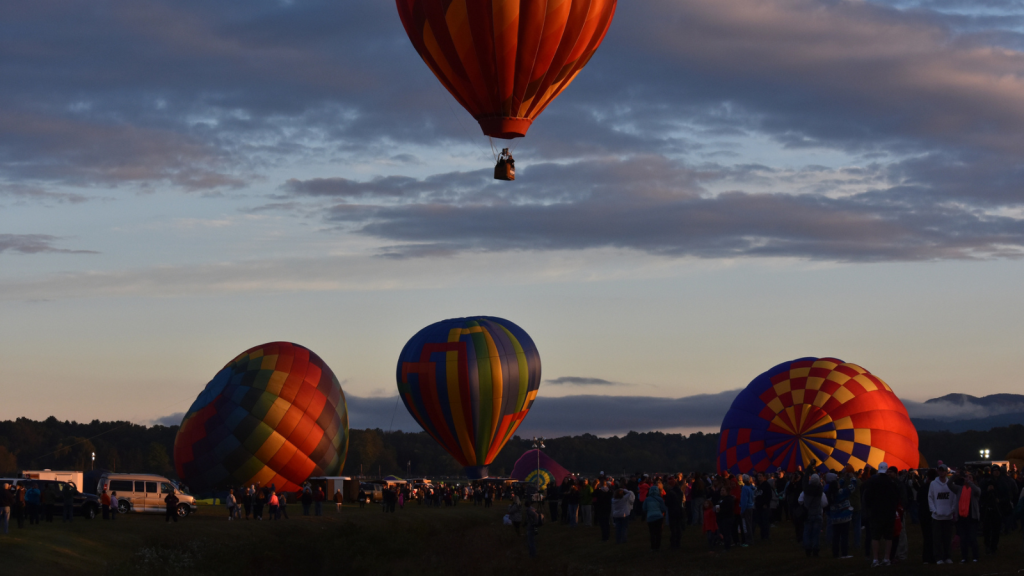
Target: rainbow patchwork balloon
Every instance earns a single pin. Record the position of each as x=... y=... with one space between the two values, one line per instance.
x=816 y=410
x=276 y=414
x=470 y=382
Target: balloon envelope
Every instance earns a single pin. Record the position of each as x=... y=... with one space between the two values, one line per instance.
x=506 y=60
x=816 y=410
x=470 y=382
x=276 y=414
x=537 y=467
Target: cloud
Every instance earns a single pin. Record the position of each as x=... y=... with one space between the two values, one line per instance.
x=169 y=420
x=661 y=207
x=922 y=103
x=581 y=381
x=37 y=193
x=34 y=244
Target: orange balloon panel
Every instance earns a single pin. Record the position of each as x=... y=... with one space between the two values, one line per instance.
x=506 y=60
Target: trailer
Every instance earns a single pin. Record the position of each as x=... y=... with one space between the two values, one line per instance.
x=71 y=477
x=331 y=484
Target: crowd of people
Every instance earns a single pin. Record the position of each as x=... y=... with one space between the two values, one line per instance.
x=851 y=513
x=33 y=503
x=253 y=501
x=868 y=512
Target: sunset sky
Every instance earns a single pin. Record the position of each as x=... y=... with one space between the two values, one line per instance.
x=726 y=186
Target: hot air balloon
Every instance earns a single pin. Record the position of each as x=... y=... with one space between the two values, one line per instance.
x=470 y=382
x=537 y=468
x=275 y=415
x=816 y=410
x=505 y=61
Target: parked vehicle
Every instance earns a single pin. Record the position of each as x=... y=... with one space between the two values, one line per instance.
x=85 y=505
x=374 y=492
x=145 y=493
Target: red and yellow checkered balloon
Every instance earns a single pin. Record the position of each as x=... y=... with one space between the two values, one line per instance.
x=819 y=411
x=275 y=415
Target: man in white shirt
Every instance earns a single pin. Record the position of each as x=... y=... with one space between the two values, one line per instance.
x=942 y=503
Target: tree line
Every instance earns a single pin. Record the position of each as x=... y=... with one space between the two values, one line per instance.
x=126 y=447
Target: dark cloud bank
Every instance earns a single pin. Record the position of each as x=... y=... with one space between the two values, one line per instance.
x=617 y=415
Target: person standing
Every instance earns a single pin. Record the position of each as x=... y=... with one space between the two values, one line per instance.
x=247 y=501
x=318 y=502
x=725 y=512
x=942 y=504
x=925 y=516
x=1007 y=490
x=654 y=513
x=840 y=513
x=554 y=500
x=968 y=517
x=710 y=525
x=747 y=496
x=113 y=505
x=881 y=498
x=282 y=506
x=796 y=511
x=676 y=516
x=572 y=500
x=68 y=500
x=622 y=508
x=32 y=500
x=534 y=519
x=813 y=499
x=307 y=500
x=105 y=504
x=697 y=496
x=171 y=502
x=763 y=493
x=6 y=503
x=991 y=518
x=20 y=506
x=587 y=503
x=515 y=513
x=603 y=507
x=274 y=504
x=259 y=501
x=49 y=498
x=231 y=504
x=338 y=500
x=853 y=482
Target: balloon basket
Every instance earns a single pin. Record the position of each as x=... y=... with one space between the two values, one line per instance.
x=476 y=472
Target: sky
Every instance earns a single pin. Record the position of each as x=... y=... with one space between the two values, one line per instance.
x=726 y=186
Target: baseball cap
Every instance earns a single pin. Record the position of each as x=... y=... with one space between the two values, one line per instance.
x=882 y=468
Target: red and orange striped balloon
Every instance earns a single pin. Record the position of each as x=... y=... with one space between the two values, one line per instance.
x=506 y=60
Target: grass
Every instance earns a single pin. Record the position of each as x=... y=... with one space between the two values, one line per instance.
x=416 y=540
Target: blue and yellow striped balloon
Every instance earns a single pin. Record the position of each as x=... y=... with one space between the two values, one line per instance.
x=470 y=382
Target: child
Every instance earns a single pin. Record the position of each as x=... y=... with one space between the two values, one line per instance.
x=710 y=525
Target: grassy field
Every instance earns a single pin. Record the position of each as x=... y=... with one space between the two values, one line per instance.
x=417 y=540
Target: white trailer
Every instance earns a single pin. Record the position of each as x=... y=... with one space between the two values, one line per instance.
x=76 y=478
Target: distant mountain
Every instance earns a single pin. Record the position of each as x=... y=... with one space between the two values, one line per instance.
x=963 y=412
x=991 y=400
x=976 y=424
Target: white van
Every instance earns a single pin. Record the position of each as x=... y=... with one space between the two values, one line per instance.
x=145 y=493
